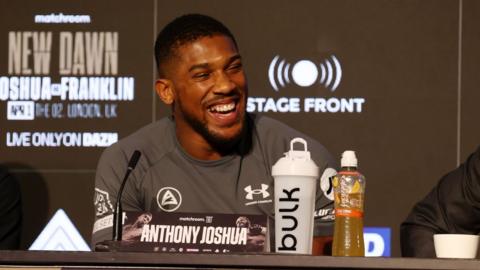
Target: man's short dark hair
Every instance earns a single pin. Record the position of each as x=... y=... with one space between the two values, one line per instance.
x=185 y=29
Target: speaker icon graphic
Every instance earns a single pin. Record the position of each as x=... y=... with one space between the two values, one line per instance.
x=305 y=73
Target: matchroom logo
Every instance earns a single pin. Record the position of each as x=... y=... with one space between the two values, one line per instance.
x=324 y=74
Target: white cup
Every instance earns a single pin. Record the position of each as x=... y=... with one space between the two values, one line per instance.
x=296 y=179
x=461 y=246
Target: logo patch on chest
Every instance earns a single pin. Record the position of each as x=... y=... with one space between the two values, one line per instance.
x=169 y=199
x=257 y=195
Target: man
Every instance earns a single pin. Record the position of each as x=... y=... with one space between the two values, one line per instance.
x=453 y=206
x=210 y=156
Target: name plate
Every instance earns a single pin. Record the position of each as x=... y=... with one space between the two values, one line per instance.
x=195 y=232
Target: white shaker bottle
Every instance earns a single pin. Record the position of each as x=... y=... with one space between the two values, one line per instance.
x=296 y=179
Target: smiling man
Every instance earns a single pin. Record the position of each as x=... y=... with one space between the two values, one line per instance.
x=209 y=156
x=205 y=82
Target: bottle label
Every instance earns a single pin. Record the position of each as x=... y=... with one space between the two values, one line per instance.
x=348 y=188
x=342 y=212
x=349 y=172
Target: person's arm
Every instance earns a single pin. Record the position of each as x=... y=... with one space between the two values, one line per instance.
x=110 y=172
x=426 y=218
x=453 y=206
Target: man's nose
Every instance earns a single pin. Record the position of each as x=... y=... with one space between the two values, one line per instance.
x=224 y=84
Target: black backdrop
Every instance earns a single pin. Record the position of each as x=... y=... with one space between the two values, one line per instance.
x=408 y=67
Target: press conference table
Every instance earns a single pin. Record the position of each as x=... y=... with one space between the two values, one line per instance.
x=52 y=260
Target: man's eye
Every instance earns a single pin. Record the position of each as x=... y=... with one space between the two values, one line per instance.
x=202 y=75
x=235 y=66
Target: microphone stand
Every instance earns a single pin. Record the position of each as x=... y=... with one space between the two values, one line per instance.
x=118 y=213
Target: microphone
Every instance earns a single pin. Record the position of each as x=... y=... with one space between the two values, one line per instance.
x=117 y=214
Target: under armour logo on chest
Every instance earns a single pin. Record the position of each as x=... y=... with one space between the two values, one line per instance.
x=251 y=192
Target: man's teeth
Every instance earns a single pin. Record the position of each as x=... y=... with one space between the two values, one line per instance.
x=223 y=107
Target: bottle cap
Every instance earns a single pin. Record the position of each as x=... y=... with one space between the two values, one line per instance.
x=349 y=159
x=296 y=162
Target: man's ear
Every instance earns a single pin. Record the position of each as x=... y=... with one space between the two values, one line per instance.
x=164 y=89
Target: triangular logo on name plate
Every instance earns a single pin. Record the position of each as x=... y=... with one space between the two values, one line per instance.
x=60 y=234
